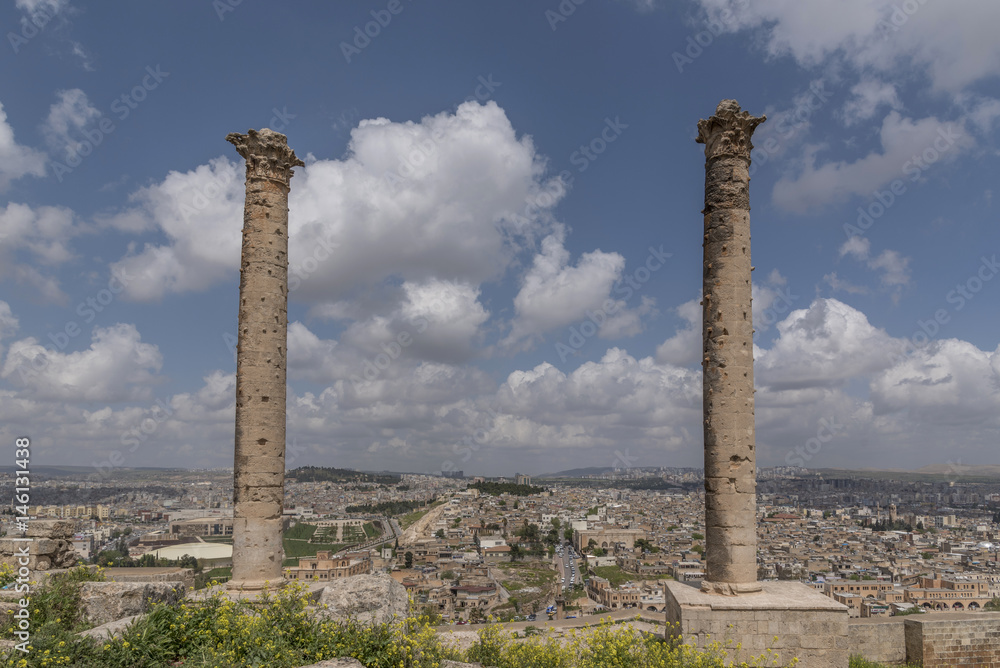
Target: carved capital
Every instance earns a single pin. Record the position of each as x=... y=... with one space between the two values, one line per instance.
x=267 y=154
x=728 y=132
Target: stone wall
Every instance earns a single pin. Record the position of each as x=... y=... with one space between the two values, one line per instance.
x=881 y=640
x=51 y=546
x=934 y=640
x=967 y=640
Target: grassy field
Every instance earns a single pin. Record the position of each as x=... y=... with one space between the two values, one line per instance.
x=410 y=518
x=615 y=575
x=297 y=544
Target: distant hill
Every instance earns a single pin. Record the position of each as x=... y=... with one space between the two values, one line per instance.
x=960 y=470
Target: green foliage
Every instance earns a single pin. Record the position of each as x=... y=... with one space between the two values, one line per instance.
x=301 y=531
x=993 y=606
x=858 y=661
x=646 y=546
x=387 y=507
x=330 y=474
x=408 y=560
x=498 y=488
x=697 y=536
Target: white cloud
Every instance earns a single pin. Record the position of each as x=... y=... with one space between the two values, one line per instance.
x=201 y=214
x=869 y=95
x=16 y=160
x=555 y=293
x=947 y=382
x=954 y=48
x=117 y=366
x=893 y=266
x=822 y=346
x=42 y=235
x=684 y=348
x=453 y=197
x=816 y=186
x=63 y=128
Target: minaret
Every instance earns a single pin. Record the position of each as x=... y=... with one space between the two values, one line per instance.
x=259 y=465
x=730 y=459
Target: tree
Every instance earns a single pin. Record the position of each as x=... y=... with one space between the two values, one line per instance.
x=448 y=576
x=568 y=534
x=556 y=524
x=515 y=552
x=697 y=536
x=699 y=549
x=439 y=533
x=408 y=560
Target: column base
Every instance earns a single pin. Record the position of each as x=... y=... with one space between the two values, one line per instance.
x=256 y=585
x=731 y=588
x=791 y=619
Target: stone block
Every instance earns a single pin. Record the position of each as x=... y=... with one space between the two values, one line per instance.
x=105 y=602
x=789 y=618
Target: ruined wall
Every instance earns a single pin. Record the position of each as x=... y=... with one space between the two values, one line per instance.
x=51 y=546
x=970 y=641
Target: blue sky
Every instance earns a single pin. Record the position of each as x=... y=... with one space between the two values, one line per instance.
x=496 y=239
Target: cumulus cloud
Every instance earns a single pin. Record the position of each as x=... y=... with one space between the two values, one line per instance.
x=555 y=293
x=893 y=266
x=68 y=116
x=948 y=382
x=16 y=160
x=34 y=243
x=955 y=49
x=818 y=185
x=684 y=347
x=822 y=346
x=867 y=97
x=117 y=366
x=453 y=197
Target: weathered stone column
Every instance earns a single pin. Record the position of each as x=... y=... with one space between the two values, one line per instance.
x=730 y=461
x=259 y=465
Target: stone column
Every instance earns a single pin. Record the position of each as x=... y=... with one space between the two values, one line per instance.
x=259 y=465
x=730 y=461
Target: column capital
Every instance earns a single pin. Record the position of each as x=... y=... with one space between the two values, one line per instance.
x=267 y=154
x=728 y=132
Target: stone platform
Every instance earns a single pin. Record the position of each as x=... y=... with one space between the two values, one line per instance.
x=789 y=618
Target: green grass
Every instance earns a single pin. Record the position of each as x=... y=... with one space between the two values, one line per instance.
x=615 y=575
x=861 y=662
x=370 y=530
x=409 y=519
x=301 y=531
x=218 y=539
